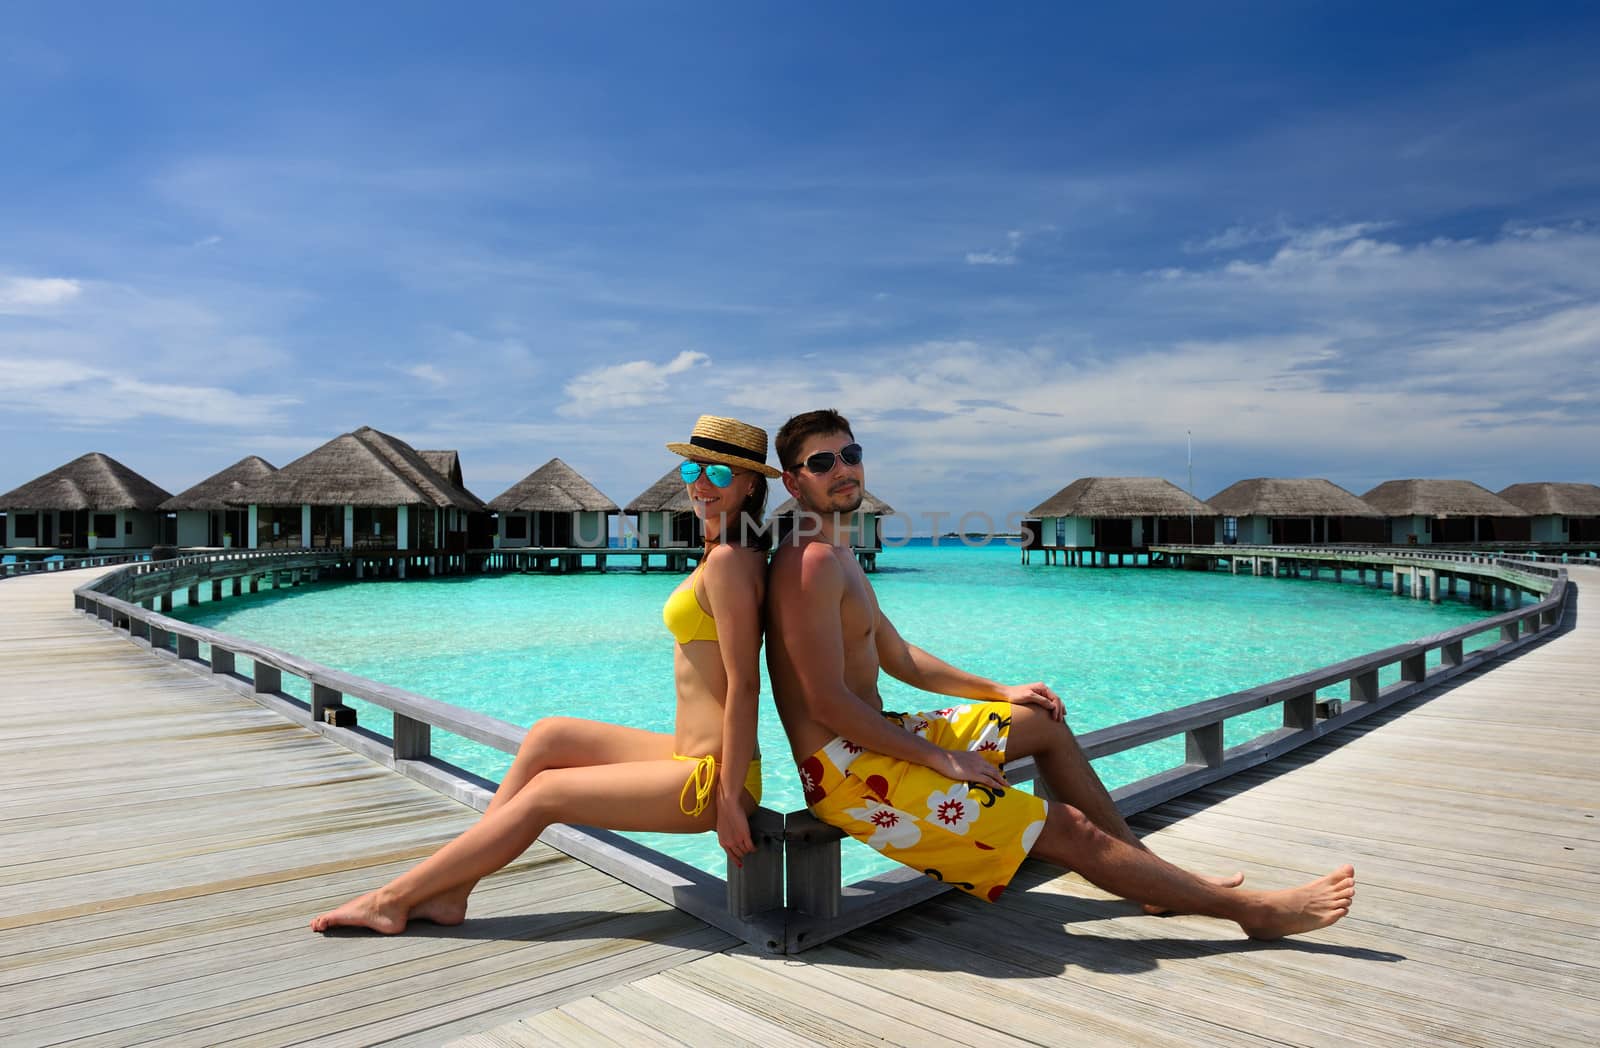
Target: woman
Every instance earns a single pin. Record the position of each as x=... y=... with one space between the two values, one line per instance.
x=706 y=775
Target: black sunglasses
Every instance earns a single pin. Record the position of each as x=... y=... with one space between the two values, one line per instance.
x=822 y=462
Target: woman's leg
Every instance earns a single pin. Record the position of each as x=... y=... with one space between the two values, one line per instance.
x=638 y=795
x=554 y=742
x=569 y=742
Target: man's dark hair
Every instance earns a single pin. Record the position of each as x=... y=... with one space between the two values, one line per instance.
x=802 y=427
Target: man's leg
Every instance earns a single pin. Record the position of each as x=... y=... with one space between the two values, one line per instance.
x=1073 y=780
x=1071 y=840
x=1064 y=768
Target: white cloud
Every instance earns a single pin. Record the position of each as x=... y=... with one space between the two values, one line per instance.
x=1004 y=257
x=427 y=373
x=20 y=295
x=633 y=384
x=92 y=397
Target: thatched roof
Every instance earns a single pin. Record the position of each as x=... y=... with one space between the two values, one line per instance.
x=445 y=463
x=1122 y=497
x=92 y=482
x=221 y=490
x=667 y=495
x=1280 y=497
x=870 y=503
x=554 y=486
x=364 y=468
x=1555 y=499
x=1438 y=498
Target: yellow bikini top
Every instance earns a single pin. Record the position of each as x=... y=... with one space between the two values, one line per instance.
x=686 y=618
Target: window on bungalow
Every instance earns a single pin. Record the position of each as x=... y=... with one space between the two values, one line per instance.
x=27 y=525
x=1230 y=529
x=516 y=527
x=105 y=525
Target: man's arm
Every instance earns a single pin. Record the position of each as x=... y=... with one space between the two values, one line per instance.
x=814 y=637
x=909 y=663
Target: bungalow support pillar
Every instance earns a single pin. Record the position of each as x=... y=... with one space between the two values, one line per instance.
x=402 y=518
x=251 y=543
x=349 y=527
x=305 y=527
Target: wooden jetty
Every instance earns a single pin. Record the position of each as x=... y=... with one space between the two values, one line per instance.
x=156 y=875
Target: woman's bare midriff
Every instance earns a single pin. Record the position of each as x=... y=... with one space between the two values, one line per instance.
x=702 y=684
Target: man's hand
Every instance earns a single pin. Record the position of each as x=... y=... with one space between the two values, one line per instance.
x=733 y=832
x=1036 y=694
x=969 y=766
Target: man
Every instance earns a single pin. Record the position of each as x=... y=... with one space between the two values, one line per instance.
x=926 y=789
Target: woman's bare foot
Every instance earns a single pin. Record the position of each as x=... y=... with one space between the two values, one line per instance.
x=1233 y=880
x=449 y=908
x=1303 y=909
x=365 y=911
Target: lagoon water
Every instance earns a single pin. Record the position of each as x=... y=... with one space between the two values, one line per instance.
x=1116 y=644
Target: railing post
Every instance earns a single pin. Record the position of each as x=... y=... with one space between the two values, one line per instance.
x=1451 y=653
x=1414 y=668
x=222 y=660
x=267 y=680
x=1300 y=711
x=812 y=865
x=160 y=639
x=413 y=739
x=1364 y=686
x=1510 y=631
x=1202 y=746
x=757 y=886
x=188 y=647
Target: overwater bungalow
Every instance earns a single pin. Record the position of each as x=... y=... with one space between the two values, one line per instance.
x=208 y=514
x=868 y=534
x=553 y=507
x=92 y=502
x=1122 y=515
x=360 y=490
x=1277 y=511
x=663 y=515
x=1559 y=512
x=1422 y=512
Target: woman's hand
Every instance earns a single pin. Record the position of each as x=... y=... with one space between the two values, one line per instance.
x=1036 y=694
x=733 y=831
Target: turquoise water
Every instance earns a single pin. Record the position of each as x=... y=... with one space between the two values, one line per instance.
x=1116 y=644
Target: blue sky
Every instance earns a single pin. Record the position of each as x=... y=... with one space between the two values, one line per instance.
x=1352 y=241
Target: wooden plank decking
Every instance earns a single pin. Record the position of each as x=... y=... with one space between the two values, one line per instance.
x=1473 y=820
x=163 y=843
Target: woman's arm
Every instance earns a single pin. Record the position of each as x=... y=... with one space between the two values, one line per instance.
x=734 y=580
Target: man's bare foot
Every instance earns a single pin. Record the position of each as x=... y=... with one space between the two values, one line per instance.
x=449 y=908
x=1303 y=909
x=1233 y=880
x=363 y=912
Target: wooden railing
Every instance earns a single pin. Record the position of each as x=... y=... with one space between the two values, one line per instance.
x=39 y=566
x=821 y=907
x=752 y=901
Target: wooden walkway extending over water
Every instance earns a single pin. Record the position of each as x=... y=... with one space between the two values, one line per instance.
x=162 y=842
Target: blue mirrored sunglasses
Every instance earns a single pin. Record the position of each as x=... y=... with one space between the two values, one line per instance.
x=719 y=475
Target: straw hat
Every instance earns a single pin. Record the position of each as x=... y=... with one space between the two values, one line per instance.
x=729 y=441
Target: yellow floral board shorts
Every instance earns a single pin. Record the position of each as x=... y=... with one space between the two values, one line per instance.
x=966 y=835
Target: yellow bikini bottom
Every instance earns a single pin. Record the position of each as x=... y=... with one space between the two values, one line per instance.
x=696 y=795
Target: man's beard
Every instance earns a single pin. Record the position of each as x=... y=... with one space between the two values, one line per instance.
x=834 y=504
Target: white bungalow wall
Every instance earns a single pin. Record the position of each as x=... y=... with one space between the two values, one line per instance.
x=589 y=529
x=1402 y=528
x=1549 y=529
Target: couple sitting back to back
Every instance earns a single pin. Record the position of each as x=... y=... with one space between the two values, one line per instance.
x=925 y=789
